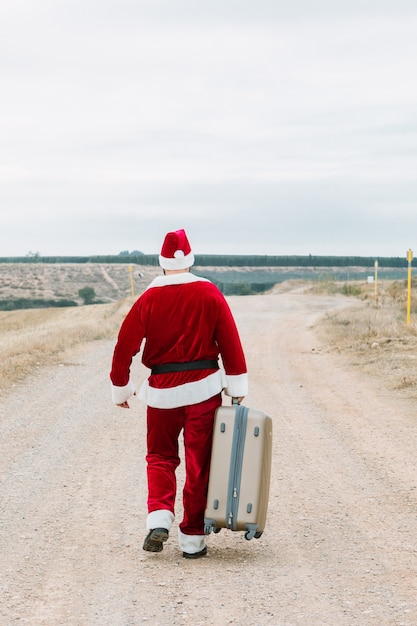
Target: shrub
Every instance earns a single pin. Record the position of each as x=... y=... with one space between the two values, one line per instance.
x=14 y=304
x=87 y=294
x=349 y=289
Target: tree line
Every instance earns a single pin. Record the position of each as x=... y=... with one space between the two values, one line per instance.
x=223 y=260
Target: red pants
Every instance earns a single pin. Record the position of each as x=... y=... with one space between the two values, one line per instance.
x=164 y=428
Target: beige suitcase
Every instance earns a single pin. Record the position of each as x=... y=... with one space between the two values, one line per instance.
x=240 y=470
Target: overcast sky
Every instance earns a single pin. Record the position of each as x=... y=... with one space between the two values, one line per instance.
x=260 y=126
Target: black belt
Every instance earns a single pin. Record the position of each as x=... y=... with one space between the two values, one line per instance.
x=165 y=368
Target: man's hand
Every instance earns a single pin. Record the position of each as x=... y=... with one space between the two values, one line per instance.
x=238 y=400
x=125 y=404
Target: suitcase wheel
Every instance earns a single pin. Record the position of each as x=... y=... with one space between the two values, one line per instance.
x=251 y=533
x=210 y=527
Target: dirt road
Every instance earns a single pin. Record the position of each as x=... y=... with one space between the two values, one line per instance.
x=340 y=546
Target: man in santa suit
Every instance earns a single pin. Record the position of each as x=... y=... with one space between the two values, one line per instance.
x=186 y=325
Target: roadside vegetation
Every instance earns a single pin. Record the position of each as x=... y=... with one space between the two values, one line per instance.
x=373 y=332
x=33 y=338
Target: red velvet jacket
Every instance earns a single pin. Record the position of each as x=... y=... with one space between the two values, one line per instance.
x=180 y=317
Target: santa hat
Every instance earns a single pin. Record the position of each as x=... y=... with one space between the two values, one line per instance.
x=176 y=253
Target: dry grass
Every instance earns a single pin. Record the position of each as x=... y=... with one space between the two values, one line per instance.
x=373 y=333
x=35 y=337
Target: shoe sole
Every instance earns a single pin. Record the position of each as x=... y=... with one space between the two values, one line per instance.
x=195 y=555
x=155 y=540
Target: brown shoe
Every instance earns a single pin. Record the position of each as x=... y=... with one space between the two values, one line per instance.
x=154 y=541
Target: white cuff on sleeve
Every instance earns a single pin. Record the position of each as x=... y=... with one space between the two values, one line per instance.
x=237 y=386
x=121 y=394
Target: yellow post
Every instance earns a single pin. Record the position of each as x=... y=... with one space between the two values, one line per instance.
x=376 y=280
x=409 y=259
x=131 y=280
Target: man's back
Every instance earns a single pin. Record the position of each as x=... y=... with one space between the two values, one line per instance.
x=181 y=321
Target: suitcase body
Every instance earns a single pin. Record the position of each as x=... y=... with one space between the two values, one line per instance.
x=240 y=470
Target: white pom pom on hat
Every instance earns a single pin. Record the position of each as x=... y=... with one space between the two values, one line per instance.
x=176 y=253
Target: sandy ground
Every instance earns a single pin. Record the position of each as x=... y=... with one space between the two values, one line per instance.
x=340 y=543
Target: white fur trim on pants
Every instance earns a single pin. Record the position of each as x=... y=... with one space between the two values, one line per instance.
x=159 y=519
x=191 y=543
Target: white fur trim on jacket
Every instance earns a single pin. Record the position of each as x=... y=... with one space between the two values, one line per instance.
x=191 y=543
x=183 y=395
x=176 y=279
x=121 y=394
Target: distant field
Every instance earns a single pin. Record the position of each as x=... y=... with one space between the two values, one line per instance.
x=282 y=274
x=61 y=282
